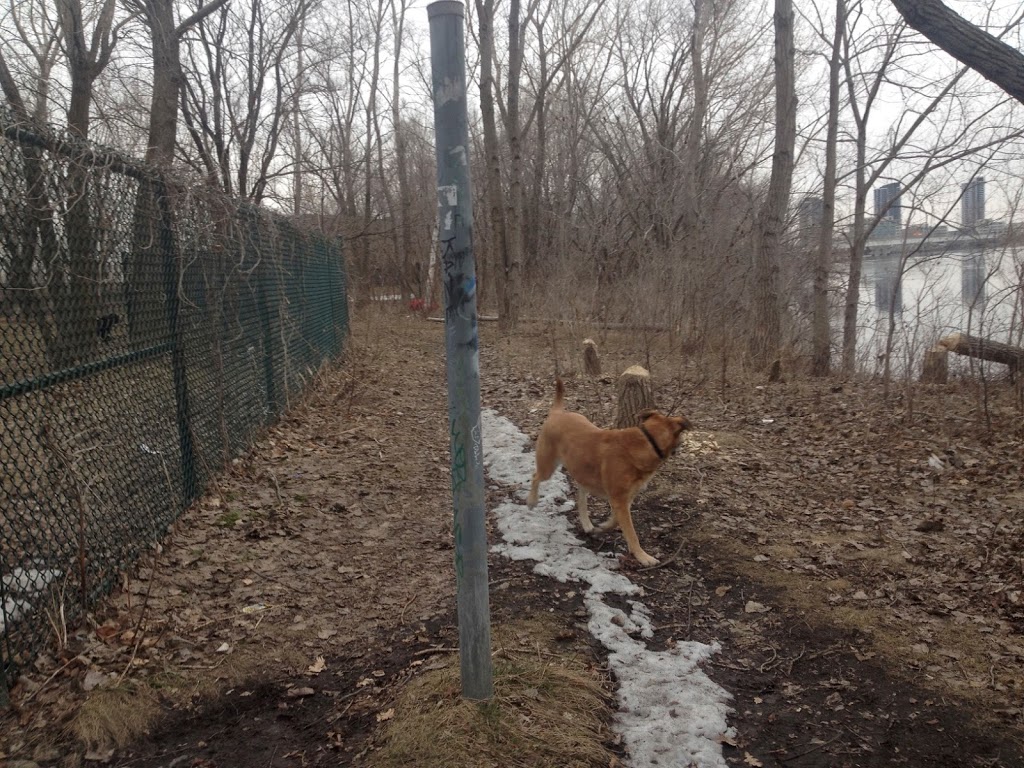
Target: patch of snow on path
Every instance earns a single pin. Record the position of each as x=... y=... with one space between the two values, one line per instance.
x=671 y=714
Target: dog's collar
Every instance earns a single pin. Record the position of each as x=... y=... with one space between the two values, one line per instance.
x=654 y=444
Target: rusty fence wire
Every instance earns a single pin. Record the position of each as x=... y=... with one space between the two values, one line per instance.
x=148 y=331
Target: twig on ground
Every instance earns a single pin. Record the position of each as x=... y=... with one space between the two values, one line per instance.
x=61 y=668
x=277 y=486
x=401 y=616
x=689 y=608
x=432 y=651
x=668 y=559
x=814 y=748
x=139 y=632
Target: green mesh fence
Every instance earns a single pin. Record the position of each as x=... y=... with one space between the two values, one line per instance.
x=148 y=331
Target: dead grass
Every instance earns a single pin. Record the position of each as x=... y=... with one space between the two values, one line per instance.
x=550 y=708
x=114 y=717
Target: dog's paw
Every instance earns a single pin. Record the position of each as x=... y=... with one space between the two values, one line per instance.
x=588 y=527
x=646 y=560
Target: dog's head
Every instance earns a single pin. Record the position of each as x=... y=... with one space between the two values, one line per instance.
x=667 y=430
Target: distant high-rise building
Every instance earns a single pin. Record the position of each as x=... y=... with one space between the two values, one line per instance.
x=811 y=215
x=973 y=202
x=883 y=195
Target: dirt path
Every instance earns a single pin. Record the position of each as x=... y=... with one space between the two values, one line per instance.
x=868 y=603
x=330 y=537
x=291 y=605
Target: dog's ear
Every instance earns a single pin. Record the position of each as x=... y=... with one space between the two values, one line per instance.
x=645 y=414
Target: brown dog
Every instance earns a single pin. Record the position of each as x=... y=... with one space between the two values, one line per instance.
x=614 y=464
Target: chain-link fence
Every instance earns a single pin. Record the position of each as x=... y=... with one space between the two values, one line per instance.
x=147 y=332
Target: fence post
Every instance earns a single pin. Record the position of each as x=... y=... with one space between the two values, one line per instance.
x=455 y=212
x=189 y=485
x=263 y=273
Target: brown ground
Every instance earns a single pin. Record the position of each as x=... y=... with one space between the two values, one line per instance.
x=869 y=607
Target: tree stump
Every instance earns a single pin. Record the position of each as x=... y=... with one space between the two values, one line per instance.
x=935 y=369
x=634 y=395
x=591 y=362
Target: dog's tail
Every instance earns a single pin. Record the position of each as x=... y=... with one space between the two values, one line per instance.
x=559 y=402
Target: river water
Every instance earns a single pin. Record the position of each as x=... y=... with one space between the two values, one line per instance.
x=980 y=292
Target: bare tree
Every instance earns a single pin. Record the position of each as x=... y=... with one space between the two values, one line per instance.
x=168 y=79
x=821 y=344
x=35 y=232
x=38 y=35
x=87 y=60
x=766 y=335
x=376 y=18
x=494 y=192
x=405 y=211
x=939 y=103
x=297 y=169
x=239 y=88
x=513 y=263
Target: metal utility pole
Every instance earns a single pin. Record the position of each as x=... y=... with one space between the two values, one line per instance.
x=455 y=232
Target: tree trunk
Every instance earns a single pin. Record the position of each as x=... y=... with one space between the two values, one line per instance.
x=768 y=308
x=821 y=345
x=401 y=155
x=494 y=192
x=167 y=75
x=635 y=395
x=371 y=120
x=591 y=361
x=167 y=81
x=993 y=59
x=533 y=224
x=81 y=86
x=83 y=269
x=693 y=177
x=514 y=205
x=856 y=256
x=297 y=122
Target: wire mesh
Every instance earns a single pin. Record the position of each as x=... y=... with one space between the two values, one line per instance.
x=148 y=331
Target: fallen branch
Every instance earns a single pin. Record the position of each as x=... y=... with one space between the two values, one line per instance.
x=432 y=651
x=481 y=318
x=985 y=349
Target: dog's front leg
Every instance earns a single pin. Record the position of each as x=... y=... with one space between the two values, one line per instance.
x=583 y=510
x=620 y=511
x=531 y=499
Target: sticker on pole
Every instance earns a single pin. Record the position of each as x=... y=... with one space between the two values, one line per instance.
x=448 y=195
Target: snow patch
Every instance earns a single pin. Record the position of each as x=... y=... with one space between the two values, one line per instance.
x=670 y=712
x=20 y=586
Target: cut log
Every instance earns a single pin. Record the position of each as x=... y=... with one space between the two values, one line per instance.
x=935 y=369
x=634 y=396
x=591 y=362
x=480 y=318
x=984 y=349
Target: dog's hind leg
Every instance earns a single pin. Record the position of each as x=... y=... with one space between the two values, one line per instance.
x=610 y=524
x=620 y=511
x=547 y=463
x=583 y=510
